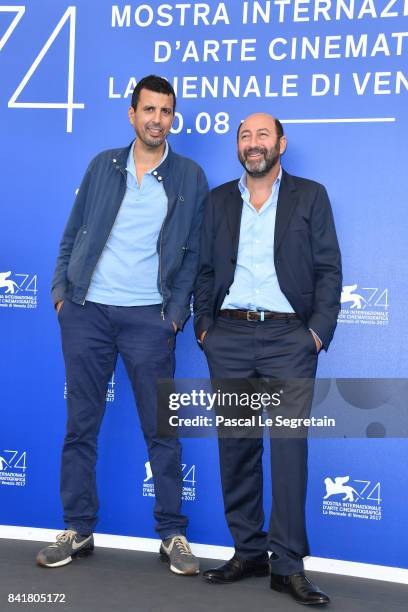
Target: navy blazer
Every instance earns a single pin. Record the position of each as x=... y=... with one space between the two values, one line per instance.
x=306 y=253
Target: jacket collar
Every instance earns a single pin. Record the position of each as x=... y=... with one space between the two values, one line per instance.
x=160 y=173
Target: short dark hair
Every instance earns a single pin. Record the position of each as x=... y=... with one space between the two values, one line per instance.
x=153 y=83
x=278 y=126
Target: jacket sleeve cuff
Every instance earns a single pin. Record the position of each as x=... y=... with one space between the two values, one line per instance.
x=321 y=327
x=58 y=294
x=202 y=324
x=316 y=336
x=177 y=314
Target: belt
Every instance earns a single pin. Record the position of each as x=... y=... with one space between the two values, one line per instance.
x=256 y=315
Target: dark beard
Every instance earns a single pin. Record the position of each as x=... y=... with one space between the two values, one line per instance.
x=271 y=157
x=149 y=141
x=152 y=142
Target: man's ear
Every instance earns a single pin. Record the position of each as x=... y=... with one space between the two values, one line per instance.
x=131 y=114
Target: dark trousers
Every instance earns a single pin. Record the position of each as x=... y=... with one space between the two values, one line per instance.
x=275 y=349
x=92 y=337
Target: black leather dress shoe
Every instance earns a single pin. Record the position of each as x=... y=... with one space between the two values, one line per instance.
x=300 y=587
x=236 y=569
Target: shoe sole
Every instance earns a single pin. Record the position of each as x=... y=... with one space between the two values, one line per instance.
x=81 y=553
x=258 y=574
x=165 y=559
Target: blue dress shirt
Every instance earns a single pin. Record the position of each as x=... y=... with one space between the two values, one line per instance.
x=256 y=285
x=126 y=274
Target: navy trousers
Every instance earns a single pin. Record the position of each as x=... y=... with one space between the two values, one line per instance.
x=275 y=349
x=92 y=337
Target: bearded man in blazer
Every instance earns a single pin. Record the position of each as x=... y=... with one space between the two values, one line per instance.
x=267 y=298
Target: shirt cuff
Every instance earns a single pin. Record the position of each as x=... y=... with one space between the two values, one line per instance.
x=315 y=335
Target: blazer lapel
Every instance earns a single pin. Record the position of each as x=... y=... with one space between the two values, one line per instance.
x=234 y=212
x=287 y=202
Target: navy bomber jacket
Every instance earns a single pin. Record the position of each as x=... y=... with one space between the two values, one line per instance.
x=93 y=215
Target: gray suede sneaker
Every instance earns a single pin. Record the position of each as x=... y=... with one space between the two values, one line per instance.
x=69 y=544
x=177 y=552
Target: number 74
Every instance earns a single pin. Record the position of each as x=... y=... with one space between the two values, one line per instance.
x=69 y=105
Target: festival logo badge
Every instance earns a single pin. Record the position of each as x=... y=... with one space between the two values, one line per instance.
x=18 y=290
x=189 y=482
x=357 y=499
x=13 y=466
x=364 y=305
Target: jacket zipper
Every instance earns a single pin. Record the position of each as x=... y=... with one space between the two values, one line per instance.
x=93 y=271
x=160 y=262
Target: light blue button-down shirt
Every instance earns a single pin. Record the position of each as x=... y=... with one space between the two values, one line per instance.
x=126 y=274
x=256 y=285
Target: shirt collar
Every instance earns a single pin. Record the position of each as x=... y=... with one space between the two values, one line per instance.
x=243 y=181
x=130 y=164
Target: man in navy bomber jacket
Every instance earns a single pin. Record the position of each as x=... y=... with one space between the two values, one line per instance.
x=122 y=285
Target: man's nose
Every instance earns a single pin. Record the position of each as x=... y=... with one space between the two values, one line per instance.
x=253 y=143
x=156 y=116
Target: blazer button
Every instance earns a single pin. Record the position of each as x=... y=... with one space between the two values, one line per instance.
x=233 y=260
